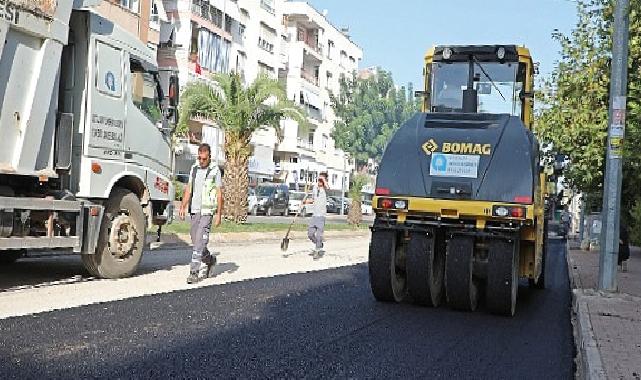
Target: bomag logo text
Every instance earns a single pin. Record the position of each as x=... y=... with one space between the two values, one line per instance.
x=470 y=148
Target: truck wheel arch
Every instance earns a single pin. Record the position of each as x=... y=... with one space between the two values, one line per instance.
x=133 y=183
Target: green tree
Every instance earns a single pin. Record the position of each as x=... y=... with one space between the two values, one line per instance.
x=574 y=112
x=369 y=111
x=358 y=181
x=239 y=111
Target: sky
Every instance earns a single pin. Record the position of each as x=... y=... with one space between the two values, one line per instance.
x=396 y=34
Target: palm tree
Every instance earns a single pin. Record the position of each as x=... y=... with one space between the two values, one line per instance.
x=355 y=215
x=239 y=111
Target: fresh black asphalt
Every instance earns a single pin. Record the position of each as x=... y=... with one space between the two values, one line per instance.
x=311 y=325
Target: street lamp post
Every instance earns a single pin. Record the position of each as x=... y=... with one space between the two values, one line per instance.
x=342 y=206
x=614 y=163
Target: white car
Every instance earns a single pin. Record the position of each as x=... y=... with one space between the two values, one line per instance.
x=366 y=208
x=296 y=201
x=252 y=200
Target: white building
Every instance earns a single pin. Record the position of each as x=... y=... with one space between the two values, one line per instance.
x=287 y=40
x=317 y=54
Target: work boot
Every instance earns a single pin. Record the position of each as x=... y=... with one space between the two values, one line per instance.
x=207 y=266
x=193 y=278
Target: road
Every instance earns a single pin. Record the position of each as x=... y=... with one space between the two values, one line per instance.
x=320 y=324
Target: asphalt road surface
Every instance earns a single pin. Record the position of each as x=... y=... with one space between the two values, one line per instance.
x=322 y=324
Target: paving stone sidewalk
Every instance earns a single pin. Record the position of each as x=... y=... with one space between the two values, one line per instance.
x=607 y=325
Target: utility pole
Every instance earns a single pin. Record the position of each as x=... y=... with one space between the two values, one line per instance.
x=616 y=131
x=582 y=205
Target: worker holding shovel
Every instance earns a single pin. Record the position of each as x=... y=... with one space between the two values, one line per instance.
x=317 y=224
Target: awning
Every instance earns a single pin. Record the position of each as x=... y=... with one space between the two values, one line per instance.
x=167 y=33
x=311 y=98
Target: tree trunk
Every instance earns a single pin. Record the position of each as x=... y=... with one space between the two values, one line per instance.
x=236 y=179
x=355 y=215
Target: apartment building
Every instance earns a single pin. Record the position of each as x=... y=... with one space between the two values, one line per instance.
x=141 y=18
x=290 y=41
x=207 y=36
x=316 y=55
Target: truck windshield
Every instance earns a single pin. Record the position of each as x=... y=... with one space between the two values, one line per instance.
x=498 y=87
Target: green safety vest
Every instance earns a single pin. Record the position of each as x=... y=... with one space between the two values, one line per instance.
x=209 y=198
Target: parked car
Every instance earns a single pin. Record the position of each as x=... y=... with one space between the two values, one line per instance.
x=333 y=205
x=296 y=202
x=272 y=199
x=252 y=200
x=366 y=208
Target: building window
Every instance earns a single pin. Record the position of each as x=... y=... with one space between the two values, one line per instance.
x=213 y=51
x=266 y=38
x=325 y=140
x=330 y=49
x=132 y=5
x=265 y=69
x=310 y=138
x=268 y=5
x=154 y=18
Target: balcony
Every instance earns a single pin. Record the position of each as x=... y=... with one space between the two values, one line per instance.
x=265 y=45
x=268 y=5
x=314 y=113
x=304 y=144
x=309 y=77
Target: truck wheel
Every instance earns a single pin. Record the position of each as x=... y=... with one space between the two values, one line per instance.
x=10 y=257
x=121 y=239
x=502 y=276
x=460 y=286
x=386 y=267
x=425 y=269
x=540 y=284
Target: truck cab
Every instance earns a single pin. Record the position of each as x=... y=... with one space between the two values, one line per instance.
x=85 y=154
x=501 y=75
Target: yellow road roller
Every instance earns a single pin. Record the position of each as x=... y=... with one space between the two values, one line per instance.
x=460 y=191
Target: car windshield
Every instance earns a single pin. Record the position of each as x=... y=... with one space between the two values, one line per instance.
x=497 y=86
x=265 y=191
x=296 y=196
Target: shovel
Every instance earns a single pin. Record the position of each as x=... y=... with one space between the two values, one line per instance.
x=285 y=243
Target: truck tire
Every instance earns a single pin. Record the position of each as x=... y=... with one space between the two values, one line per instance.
x=10 y=257
x=460 y=286
x=386 y=270
x=425 y=269
x=502 y=276
x=121 y=239
x=540 y=284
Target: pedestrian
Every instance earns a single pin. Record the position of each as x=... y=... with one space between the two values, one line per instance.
x=202 y=199
x=317 y=224
x=624 y=246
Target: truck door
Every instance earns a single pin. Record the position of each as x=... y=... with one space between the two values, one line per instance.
x=107 y=108
x=147 y=145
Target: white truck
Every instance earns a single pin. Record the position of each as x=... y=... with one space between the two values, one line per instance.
x=85 y=136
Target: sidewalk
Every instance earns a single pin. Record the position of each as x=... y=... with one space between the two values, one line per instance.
x=177 y=241
x=607 y=325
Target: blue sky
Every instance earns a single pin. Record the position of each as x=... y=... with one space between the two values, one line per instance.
x=395 y=34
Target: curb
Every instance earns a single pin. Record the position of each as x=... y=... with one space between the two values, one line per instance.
x=184 y=241
x=588 y=357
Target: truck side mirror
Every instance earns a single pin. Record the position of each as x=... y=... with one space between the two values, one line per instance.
x=421 y=94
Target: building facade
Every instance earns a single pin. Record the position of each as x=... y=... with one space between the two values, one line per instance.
x=286 y=40
x=316 y=55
